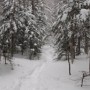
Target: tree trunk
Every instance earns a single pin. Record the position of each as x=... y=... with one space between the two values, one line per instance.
x=66 y=55
x=89 y=65
x=86 y=44
x=69 y=64
x=78 y=47
x=73 y=48
x=82 y=80
x=22 y=49
x=72 y=51
x=12 y=45
x=0 y=54
x=33 y=7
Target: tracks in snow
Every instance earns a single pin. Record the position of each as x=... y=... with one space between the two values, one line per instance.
x=31 y=80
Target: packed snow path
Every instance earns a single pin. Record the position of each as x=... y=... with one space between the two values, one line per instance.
x=31 y=81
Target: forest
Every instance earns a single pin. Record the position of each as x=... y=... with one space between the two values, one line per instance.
x=44 y=44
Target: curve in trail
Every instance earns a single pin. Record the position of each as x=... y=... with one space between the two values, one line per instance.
x=31 y=81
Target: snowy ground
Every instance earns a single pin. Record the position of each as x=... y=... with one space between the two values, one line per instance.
x=44 y=74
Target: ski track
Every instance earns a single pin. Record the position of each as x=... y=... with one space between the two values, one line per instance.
x=31 y=80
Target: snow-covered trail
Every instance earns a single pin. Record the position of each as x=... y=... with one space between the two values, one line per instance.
x=47 y=53
x=26 y=73
x=51 y=75
x=31 y=81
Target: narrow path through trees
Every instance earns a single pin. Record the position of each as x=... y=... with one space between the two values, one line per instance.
x=31 y=81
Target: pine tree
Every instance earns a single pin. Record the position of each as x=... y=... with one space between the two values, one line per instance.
x=67 y=22
x=36 y=31
x=72 y=18
x=15 y=22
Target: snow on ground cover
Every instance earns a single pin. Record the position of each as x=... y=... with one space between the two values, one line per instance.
x=12 y=79
x=44 y=74
x=55 y=76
